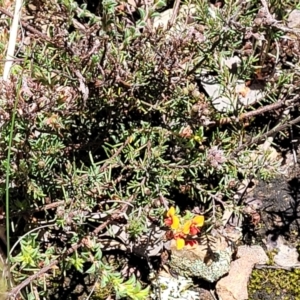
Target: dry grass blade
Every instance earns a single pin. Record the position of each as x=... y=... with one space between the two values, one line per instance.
x=12 y=39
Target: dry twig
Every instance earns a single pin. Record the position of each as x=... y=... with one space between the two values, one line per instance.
x=265 y=135
x=175 y=12
x=262 y=110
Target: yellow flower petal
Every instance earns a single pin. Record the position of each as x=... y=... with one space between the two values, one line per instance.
x=171 y=212
x=198 y=220
x=175 y=222
x=186 y=227
x=180 y=243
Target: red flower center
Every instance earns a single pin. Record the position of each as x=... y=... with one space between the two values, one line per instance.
x=168 y=221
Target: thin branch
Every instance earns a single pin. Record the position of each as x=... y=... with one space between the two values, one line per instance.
x=38 y=209
x=261 y=110
x=265 y=135
x=297 y=266
x=210 y=194
x=115 y=154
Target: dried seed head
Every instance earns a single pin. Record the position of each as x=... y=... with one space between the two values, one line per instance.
x=187 y=132
x=215 y=157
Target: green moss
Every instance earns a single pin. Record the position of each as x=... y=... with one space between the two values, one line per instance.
x=275 y=284
x=102 y=293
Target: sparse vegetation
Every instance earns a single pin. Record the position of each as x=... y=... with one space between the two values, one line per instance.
x=106 y=123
